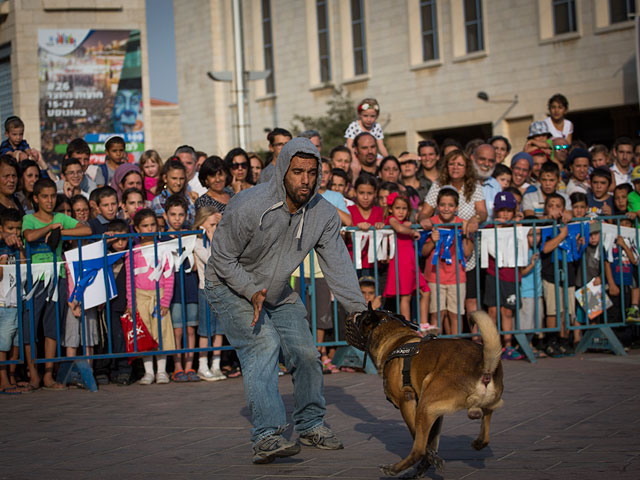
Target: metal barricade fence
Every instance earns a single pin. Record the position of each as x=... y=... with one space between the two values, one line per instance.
x=592 y=327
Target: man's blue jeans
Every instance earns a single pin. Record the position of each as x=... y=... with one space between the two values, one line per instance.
x=258 y=348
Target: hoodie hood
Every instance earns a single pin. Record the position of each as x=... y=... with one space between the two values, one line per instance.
x=276 y=184
x=289 y=150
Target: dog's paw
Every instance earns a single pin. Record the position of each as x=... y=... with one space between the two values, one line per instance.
x=434 y=459
x=478 y=444
x=387 y=469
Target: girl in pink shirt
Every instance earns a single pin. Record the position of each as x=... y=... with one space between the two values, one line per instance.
x=156 y=319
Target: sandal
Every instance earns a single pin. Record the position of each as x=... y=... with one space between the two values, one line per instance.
x=192 y=376
x=233 y=372
x=12 y=390
x=179 y=376
x=347 y=369
x=328 y=367
x=55 y=386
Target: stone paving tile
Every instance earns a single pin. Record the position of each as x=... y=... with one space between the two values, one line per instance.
x=563 y=418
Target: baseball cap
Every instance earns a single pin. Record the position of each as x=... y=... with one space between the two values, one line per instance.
x=504 y=200
x=538 y=128
x=635 y=174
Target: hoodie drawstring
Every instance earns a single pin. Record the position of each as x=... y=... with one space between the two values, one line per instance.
x=272 y=207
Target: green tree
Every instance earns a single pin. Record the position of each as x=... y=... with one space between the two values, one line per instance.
x=332 y=125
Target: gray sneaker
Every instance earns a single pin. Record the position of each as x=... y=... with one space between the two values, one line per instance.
x=321 y=437
x=272 y=447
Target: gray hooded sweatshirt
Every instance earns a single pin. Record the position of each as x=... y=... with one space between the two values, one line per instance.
x=259 y=243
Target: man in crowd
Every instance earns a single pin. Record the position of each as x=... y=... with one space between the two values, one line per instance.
x=484 y=159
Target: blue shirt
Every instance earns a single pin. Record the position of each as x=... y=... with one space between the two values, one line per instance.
x=490 y=188
x=527 y=286
x=6 y=147
x=335 y=199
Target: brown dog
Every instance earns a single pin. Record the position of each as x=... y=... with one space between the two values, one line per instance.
x=443 y=376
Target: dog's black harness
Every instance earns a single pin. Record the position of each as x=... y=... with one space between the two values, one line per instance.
x=406 y=352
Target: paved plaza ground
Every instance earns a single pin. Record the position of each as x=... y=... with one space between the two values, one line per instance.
x=566 y=418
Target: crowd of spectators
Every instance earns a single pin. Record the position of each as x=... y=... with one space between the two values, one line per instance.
x=450 y=191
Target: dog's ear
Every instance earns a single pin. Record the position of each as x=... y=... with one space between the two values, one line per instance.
x=370 y=309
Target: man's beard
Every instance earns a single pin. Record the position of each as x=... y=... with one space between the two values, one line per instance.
x=482 y=175
x=298 y=200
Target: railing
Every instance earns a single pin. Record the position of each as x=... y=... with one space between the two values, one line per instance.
x=180 y=247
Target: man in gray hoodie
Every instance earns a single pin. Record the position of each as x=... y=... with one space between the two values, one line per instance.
x=265 y=234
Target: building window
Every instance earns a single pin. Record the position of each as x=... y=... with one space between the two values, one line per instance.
x=267 y=46
x=621 y=10
x=429 y=30
x=473 y=25
x=359 y=39
x=322 y=14
x=564 y=16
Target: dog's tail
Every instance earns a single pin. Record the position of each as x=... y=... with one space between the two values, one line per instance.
x=492 y=348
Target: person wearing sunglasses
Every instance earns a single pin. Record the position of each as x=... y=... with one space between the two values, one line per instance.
x=560 y=153
x=238 y=163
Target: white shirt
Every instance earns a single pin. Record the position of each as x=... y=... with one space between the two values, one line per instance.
x=621 y=177
x=196 y=186
x=567 y=128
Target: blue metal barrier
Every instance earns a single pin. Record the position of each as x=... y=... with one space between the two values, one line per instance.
x=599 y=328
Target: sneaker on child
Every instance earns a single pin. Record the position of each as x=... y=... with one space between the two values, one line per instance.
x=633 y=314
x=147 y=379
x=510 y=353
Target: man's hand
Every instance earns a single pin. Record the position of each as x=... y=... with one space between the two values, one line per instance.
x=257 y=300
x=470 y=226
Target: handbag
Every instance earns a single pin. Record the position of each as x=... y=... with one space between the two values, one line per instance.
x=145 y=341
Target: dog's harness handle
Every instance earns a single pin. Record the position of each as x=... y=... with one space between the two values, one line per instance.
x=406 y=352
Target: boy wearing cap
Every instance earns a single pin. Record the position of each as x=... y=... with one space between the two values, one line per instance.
x=633 y=200
x=504 y=210
x=537 y=138
x=578 y=161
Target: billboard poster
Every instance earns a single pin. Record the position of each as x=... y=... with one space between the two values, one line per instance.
x=90 y=84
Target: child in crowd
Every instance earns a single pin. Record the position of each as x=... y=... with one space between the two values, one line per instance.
x=15 y=144
x=43 y=230
x=151 y=166
x=554 y=208
x=533 y=202
x=70 y=183
x=174 y=182
x=184 y=321
x=621 y=204
x=132 y=202
x=504 y=210
x=404 y=261
x=10 y=223
x=579 y=163
x=633 y=198
x=599 y=200
x=365 y=214
x=449 y=286
x=517 y=194
x=368 y=112
x=531 y=289
x=503 y=175
x=207 y=219
x=368 y=289
x=556 y=122
x=384 y=190
x=578 y=204
x=116 y=155
x=107 y=204
x=80 y=208
x=588 y=268
x=339 y=183
x=79 y=150
x=600 y=156
x=118 y=369
x=63 y=205
x=620 y=270
x=156 y=318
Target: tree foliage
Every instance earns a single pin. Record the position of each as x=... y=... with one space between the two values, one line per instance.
x=332 y=125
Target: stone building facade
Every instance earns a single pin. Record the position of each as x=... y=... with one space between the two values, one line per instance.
x=424 y=61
